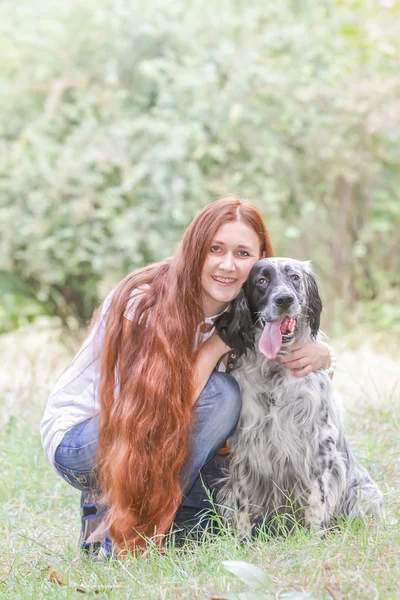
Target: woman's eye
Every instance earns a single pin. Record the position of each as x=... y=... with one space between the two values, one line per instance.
x=294 y=277
x=244 y=253
x=262 y=280
x=214 y=249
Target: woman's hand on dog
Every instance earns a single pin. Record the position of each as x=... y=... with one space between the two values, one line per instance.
x=302 y=360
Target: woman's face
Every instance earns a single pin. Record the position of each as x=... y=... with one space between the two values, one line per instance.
x=233 y=251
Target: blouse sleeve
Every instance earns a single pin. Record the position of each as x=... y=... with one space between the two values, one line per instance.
x=133 y=301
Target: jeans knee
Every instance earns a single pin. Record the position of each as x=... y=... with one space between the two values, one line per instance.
x=229 y=402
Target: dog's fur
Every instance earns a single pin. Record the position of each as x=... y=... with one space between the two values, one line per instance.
x=288 y=452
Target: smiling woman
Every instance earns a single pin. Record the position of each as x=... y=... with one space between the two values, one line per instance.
x=141 y=409
x=233 y=251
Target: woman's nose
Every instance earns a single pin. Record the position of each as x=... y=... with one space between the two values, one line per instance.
x=228 y=262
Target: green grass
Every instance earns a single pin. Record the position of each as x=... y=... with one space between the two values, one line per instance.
x=39 y=521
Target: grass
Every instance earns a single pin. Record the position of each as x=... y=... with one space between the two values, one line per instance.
x=39 y=513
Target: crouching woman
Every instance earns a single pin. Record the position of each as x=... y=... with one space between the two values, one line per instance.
x=140 y=410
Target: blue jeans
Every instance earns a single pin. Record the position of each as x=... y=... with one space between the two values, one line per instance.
x=216 y=413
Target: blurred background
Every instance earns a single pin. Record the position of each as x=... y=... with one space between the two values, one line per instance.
x=121 y=119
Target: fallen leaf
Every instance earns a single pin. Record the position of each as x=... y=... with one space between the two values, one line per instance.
x=56 y=577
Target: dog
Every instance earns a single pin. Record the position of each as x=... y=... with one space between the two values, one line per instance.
x=289 y=452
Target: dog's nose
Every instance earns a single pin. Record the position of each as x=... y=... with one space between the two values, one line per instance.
x=284 y=300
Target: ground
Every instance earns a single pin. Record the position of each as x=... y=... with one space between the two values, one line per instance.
x=39 y=513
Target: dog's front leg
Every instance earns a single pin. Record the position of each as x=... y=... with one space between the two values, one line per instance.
x=327 y=481
x=315 y=512
x=242 y=512
x=233 y=505
x=233 y=502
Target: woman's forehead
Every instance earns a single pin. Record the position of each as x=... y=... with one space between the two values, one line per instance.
x=237 y=233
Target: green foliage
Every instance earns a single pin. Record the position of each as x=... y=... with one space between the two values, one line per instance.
x=121 y=120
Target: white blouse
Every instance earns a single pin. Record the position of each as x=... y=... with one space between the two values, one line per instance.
x=75 y=397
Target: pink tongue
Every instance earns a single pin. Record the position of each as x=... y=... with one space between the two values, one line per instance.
x=271 y=339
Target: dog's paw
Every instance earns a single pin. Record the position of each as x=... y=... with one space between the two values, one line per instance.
x=244 y=526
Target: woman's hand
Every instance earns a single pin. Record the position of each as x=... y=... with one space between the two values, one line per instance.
x=304 y=359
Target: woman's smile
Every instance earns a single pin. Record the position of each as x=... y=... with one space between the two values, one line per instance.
x=224 y=281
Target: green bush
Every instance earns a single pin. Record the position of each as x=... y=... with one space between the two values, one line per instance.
x=120 y=120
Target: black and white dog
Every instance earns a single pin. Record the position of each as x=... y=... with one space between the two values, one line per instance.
x=288 y=452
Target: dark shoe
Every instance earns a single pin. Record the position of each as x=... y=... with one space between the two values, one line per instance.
x=92 y=514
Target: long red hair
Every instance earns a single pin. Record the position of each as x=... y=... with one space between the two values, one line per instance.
x=146 y=383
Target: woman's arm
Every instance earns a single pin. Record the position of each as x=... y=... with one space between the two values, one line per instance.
x=209 y=355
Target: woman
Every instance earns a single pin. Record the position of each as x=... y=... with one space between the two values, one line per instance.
x=140 y=410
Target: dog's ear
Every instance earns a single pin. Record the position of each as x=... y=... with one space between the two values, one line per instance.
x=235 y=327
x=314 y=303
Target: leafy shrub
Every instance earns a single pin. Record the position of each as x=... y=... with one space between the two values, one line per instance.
x=121 y=120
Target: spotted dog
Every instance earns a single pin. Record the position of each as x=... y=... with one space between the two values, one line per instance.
x=289 y=452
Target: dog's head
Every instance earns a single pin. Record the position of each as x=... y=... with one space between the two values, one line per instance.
x=279 y=302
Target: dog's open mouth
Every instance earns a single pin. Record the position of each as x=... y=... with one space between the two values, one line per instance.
x=287 y=328
x=275 y=334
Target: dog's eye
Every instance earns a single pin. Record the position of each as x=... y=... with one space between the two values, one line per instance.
x=294 y=277
x=262 y=280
